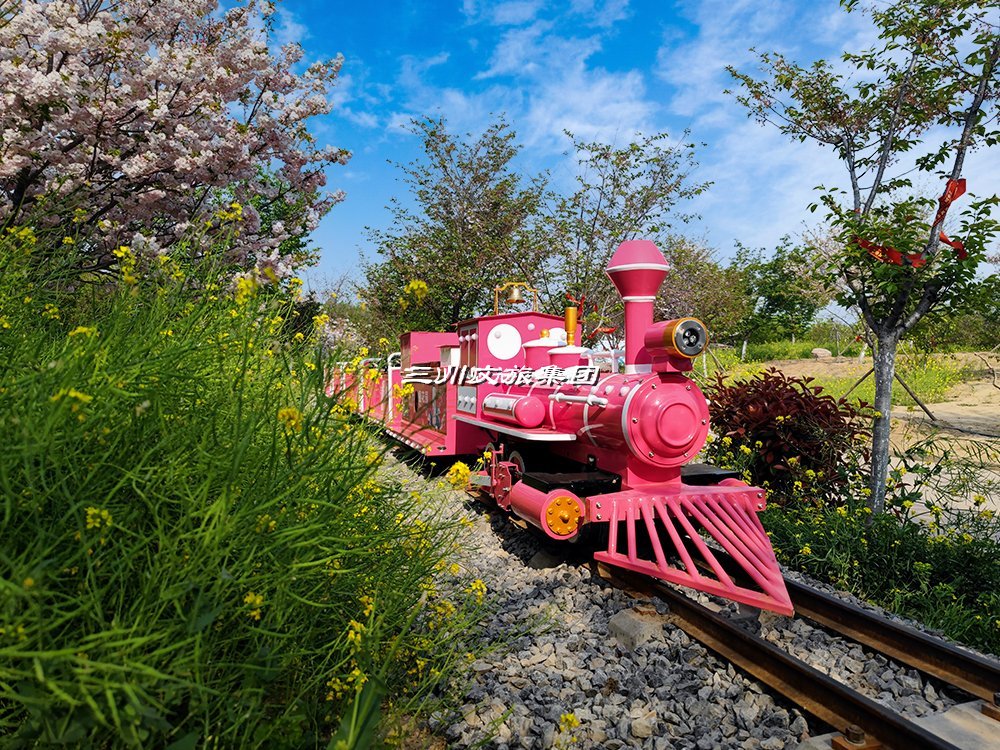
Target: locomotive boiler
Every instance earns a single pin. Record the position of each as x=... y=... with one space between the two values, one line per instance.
x=578 y=450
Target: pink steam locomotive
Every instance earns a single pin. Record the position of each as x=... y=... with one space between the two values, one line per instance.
x=577 y=448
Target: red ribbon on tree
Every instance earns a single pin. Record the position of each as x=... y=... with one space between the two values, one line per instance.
x=953 y=190
x=598 y=331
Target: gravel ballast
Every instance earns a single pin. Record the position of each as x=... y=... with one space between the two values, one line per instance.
x=556 y=656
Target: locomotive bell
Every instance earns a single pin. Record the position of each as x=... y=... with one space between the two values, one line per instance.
x=514 y=296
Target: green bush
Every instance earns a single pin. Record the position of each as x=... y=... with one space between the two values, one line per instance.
x=945 y=574
x=197 y=548
x=934 y=556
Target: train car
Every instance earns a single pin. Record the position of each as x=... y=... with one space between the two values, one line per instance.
x=576 y=446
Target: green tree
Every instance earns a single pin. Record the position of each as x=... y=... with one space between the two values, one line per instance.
x=622 y=194
x=700 y=286
x=934 y=74
x=977 y=326
x=473 y=226
x=784 y=291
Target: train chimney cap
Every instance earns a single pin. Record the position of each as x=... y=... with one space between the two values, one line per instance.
x=637 y=268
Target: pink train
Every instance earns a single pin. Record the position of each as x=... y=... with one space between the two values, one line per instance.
x=580 y=450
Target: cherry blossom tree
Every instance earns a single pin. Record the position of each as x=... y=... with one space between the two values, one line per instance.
x=152 y=117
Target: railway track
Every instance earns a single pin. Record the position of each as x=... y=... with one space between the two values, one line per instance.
x=862 y=722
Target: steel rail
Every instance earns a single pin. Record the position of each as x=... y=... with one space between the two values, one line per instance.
x=818 y=694
x=956 y=666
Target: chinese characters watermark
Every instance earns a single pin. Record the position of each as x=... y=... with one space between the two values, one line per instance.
x=465 y=375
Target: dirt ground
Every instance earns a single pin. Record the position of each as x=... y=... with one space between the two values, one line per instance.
x=971 y=409
x=969 y=415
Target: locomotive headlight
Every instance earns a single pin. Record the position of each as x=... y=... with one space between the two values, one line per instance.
x=683 y=337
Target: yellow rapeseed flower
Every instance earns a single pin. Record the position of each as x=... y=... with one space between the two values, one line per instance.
x=458 y=475
x=291 y=418
x=568 y=722
x=97 y=517
x=245 y=289
x=478 y=589
x=254 y=601
x=354 y=631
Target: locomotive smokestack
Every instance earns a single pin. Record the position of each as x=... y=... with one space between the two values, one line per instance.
x=637 y=269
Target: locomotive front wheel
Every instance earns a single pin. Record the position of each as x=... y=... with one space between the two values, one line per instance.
x=517 y=459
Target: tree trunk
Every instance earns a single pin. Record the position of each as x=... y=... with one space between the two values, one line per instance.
x=743 y=352
x=885 y=369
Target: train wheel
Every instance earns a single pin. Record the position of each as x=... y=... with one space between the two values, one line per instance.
x=520 y=466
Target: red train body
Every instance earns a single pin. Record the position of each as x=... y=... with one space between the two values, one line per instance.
x=575 y=448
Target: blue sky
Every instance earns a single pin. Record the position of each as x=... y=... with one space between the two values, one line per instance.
x=604 y=69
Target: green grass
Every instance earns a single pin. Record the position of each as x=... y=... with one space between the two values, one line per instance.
x=198 y=547
x=931 y=377
x=800 y=349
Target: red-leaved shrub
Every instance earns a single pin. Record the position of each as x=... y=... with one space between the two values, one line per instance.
x=788 y=435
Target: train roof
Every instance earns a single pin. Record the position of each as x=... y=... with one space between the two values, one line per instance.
x=512 y=316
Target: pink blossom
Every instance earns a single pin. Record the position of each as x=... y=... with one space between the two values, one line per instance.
x=133 y=110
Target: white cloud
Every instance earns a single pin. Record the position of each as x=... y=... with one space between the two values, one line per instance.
x=601 y=15
x=515 y=12
x=288 y=30
x=593 y=104
x=518 y=52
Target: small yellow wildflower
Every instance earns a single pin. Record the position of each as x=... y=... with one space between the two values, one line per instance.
x=369 y=605
x=358 y=678
x=568 y=722
x=87 y=331
x=354 y=631
x=458 y=475
x=478 y=589
x=266 y=524
x=72 y=393
x=28 y=582
x=807 y=550
x=98 y=517
x=255 y=601
x=245 y=289
x=291 y=418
